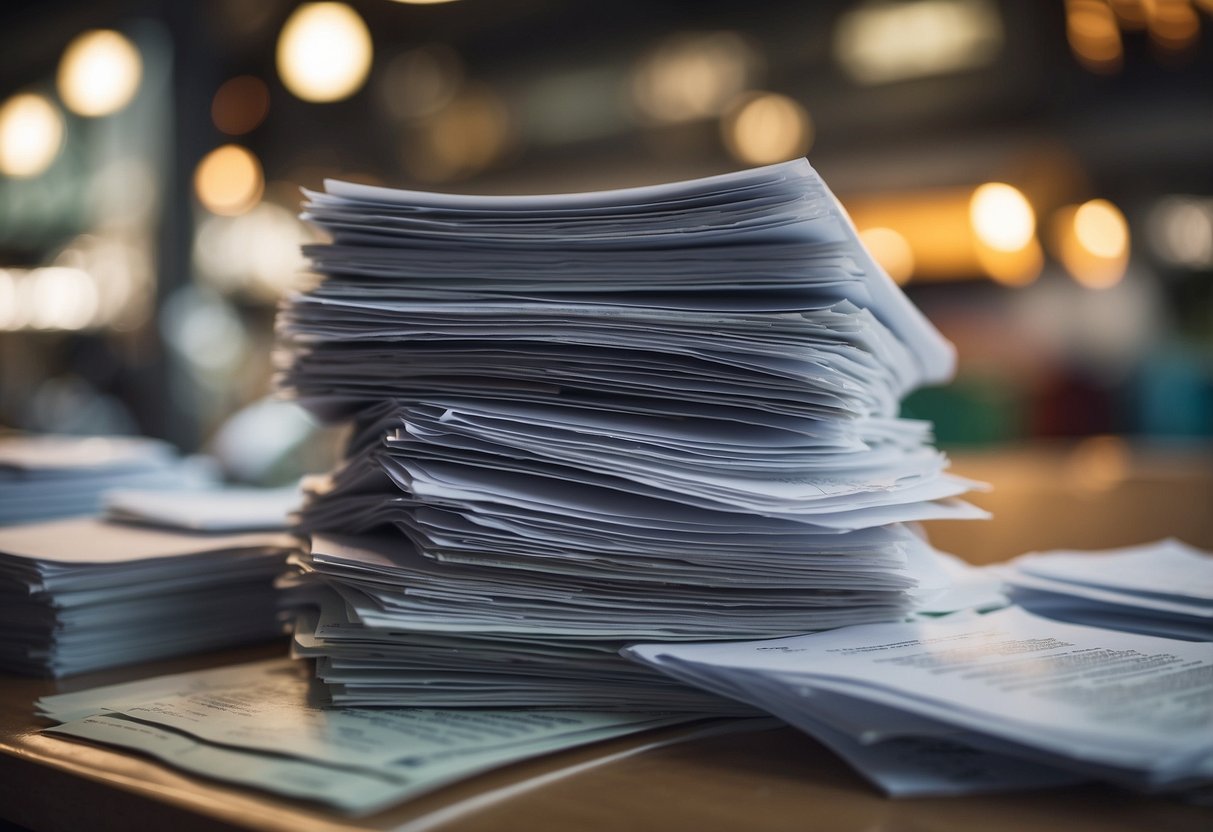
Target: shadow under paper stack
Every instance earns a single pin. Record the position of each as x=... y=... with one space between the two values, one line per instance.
x=586 y=420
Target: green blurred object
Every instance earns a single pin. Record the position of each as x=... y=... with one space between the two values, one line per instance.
x=974 y=411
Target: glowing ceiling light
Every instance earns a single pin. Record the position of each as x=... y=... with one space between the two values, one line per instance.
x=891 y=250
x=881 y=42
x=1001 y=216
x=694 y=75
x=767 y=127
x=228 y=180
x=99 y=73
x=324 y=52
x=31 y=134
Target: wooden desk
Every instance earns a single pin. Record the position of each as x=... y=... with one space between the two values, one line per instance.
x=770 y=780
x=1097 y=493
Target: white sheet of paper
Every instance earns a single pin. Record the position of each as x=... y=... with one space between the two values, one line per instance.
x=251 y=724
x=1102 y=699
x=211 y=510
x=92 y=541
x=1166 y=567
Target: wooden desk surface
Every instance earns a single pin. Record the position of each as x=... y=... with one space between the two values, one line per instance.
x=765 y=780
x=769 y=780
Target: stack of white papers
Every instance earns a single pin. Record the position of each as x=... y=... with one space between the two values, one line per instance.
x=255 y=725
x=974 y=703
x=79 y=595
x=45 y=477
x=1163 y=588
x=207 y=510
x=589 y=419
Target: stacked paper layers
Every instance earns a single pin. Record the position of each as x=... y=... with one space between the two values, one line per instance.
x=79 y=595
x=1163 y=588
x=44 y=477
x=978 y=703
x=206 y=510
x=583 y=420
x=255 y=725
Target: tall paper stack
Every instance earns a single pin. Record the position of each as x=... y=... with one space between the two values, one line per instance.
x=585 y=420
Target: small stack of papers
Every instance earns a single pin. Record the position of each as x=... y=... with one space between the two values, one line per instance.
x=82 y=594
x=45 y=477
x=254 y=725
x=206 y=510
x=970 y=703
x=1162 y=589
x=591 y=419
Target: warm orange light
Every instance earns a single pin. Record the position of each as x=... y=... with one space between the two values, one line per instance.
x=1092 y=242
x=1102 y=229
x=766 y=127
x=31 y=135
x=228 y=180
x=1002 y=217
x=1173 y=24
x=938 y=226
x=1012 y=268
x=1130 y=13
x=324 y=52
x=1004 y=231
x=1093 y=35
x=1098 y=463
x=935 y=224
x=99 y=73
x=891 y=250
x=240 y=105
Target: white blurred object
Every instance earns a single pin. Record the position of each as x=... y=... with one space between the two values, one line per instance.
x=880 y=42
x=969 y=589
x=211 y=510
x=253 y=444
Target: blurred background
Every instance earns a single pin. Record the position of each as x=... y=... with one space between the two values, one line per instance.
x=1038 y=174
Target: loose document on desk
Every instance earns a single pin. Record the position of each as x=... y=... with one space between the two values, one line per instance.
x=1163 y=588
x=253 y=725
x=1050 y=701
